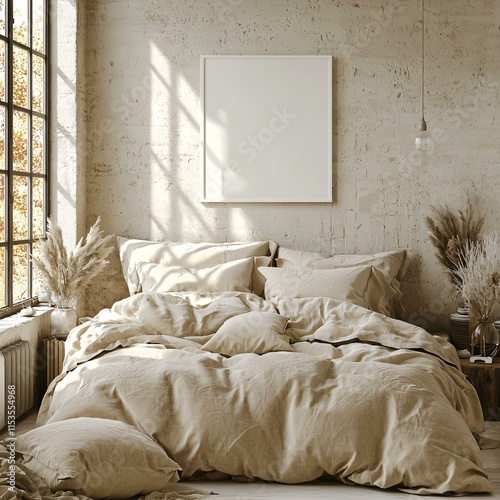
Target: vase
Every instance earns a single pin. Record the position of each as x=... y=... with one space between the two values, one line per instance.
x=62 y=321
x=484 y=338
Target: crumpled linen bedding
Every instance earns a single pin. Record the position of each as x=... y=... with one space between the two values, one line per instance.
x=31 y=487
x=27 y=484
x=362 y=398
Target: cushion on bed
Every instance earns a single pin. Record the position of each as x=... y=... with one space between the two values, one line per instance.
x=235 y=276
x=364 y=286
x=253 y=332
x=393 y=266
x=96 y=457
x=297 y=259
x=190 y=255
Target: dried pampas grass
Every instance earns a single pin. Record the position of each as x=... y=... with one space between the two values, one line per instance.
x=68 y=274
x=450 y=233
x=479 y=273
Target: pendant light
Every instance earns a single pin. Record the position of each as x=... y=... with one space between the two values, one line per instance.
x=423 y=141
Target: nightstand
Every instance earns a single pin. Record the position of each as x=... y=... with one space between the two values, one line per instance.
x=486 y=380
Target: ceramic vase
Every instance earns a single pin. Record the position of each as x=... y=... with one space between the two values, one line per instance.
x=62 y=321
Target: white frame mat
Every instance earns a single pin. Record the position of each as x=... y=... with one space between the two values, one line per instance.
x=266 y=129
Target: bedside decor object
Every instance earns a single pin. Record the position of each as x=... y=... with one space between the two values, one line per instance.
x=449 y=232
x=478 y=273
x=68 y=273
x=27 y=312
x=62 y=321
x=459 y=331
x=484 y=340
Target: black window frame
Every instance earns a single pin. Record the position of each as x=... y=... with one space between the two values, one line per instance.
x=11 y=305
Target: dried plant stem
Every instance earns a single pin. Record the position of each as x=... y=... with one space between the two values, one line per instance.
x=449 y=233
x=479 y=273
x=68 y=274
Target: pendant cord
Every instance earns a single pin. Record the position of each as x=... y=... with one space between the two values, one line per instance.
x=423 y=55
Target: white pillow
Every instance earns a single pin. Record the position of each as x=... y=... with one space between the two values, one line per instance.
x=297 y=259
x=190 y=255
x=97 y=457
x=362 y=285
x=235 y=276
x=393 y=266
x=253 y=332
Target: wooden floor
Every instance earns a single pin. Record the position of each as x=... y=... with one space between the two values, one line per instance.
x=318 y=490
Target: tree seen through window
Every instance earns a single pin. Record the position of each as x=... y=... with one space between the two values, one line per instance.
x=23 y=152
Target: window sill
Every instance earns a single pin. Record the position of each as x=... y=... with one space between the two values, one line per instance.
x=32 y=328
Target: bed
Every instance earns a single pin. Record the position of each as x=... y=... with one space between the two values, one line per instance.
x=248 y=361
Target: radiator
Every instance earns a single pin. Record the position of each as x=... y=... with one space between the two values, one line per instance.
x=16 y=369
x=54 y=357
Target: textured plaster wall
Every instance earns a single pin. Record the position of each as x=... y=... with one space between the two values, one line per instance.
x=143 y=167
x=68 y=145
x=68 y=151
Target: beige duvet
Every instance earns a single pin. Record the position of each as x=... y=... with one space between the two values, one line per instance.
x=363 y=398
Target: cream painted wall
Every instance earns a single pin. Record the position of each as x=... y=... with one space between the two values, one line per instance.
x=68 y=147
x=143 y=167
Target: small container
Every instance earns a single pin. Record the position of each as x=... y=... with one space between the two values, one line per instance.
x=62 y=321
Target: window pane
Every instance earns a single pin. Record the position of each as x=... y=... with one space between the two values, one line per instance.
x=2 y=206
x=38 y=22
x=20 y=272
x=2 y=17
x=38 y=216
x=20 y=140
x=3 y=152
x=20 y=222
x=38 y=285
x=23 y=151
x=20 y=75
x=38 y=72
x=21 y=21
x=2 y=69
x=37 y=153
x=3 y=302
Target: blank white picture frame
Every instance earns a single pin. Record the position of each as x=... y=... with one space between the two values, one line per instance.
x=266 y=129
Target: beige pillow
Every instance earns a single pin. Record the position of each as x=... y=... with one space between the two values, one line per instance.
x=361 y=285
x=253 y=332
x=296 y=259
x=190 y=255
x=97 y=457
x=235 y=276
x=393 y=266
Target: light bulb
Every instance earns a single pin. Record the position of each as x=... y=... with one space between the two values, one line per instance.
x=423 y=140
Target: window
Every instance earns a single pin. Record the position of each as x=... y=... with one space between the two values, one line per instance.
x=23 y=145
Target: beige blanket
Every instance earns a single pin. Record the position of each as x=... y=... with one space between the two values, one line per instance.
x=363 y=398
